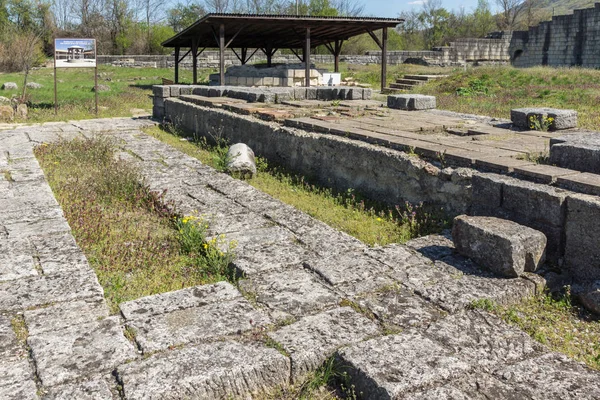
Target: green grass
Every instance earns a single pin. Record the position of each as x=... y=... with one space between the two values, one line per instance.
x=494 y=91
x=369 y=221
x=130 y=89
x=134 y=241
x=555 y=322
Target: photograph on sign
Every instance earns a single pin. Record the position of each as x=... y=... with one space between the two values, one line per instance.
x=75 y=53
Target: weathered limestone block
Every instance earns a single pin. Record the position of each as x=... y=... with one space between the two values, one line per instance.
x=551 y=376
x=209 y=371
x=411 y=102
x=562 y=119
x=577 y=151
x=80 y=350
x=190 y=315
x=399 y=308
x=389 y=366
x=483 y=339
x=197 y=296
x=63 y=315
x=582 y=232
x=504 y=247
x=589 y=295
x=161 y=91
x=95 y=388
x=37 y=291
x=312 y=340
x=59 y=253
x=290 y=293
x=240 y=160
x=33 y=85
x=16 y=260
x=353 y=273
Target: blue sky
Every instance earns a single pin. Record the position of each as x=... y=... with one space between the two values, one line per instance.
x=391 y=8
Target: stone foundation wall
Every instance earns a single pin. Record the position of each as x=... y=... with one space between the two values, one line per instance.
x=566 y=40
x=382 y=174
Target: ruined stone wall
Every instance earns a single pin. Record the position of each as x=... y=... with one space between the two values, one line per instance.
x=383 y=174
x=566 y=40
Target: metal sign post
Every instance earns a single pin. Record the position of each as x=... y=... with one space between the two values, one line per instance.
x=75 y=53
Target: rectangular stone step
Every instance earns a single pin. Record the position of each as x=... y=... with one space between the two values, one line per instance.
x=217 y=370
x=401 y=86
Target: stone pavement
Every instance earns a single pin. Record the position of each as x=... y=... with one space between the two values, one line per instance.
x=397 y=317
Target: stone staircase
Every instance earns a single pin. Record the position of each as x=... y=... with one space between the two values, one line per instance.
x=408 y=82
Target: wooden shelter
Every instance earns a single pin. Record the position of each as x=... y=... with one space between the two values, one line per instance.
x=270 y=33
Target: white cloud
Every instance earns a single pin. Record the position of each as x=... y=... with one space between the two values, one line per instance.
x=416 y=2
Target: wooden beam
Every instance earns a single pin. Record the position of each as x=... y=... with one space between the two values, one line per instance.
x=297 y=55
x=234 y=36
x=384 y=58
x=307 y=58
x=336 y=55
x=222 y=54
x=375 y=38
x=251 y=55
x=238 y=56
x=177 y=64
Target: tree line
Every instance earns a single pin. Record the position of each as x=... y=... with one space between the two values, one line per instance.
x=139 y=26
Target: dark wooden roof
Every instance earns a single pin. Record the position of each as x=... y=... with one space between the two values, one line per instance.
x=277 y=31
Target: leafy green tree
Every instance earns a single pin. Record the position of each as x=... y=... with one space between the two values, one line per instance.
x=182 y=16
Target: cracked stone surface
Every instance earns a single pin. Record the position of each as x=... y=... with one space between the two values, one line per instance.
x=405 y=329
x=209 y=371
x=312 y=340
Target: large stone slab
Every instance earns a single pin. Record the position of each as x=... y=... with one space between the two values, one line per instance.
x=503 y=246
x=196 y=324
x=578 y=151
x=197 y=296
x=562 y=119
x=411 y=102
x=80 y=350
x=551 y=376
x=290 y=293
x=399 y=308
x=95 y=388
x=37 y=291
x=59 y=253
x=59 y=316
x=16 y=260
x=389 y=366
x=313 y=339
x=353 y=273
x=209 y=371
x=483 y=340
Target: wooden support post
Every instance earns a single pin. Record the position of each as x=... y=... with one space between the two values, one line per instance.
x=195 y=61
x=336 y=55
x=177 y=64
x=384 y=42
x=244 y=59
x=307 y=58
x=222 y=54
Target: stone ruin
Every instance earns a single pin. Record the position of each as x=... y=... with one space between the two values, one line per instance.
x=280 y=75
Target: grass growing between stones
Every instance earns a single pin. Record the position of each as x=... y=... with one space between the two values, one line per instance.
x=555 y=322
x=369 y=221
x=135 y=242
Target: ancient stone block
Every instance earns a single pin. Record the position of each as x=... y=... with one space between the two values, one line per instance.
x=190 y=325
x=16 y=260
x=398 y=308
x=585 y=182
x=562 y=119
x=582 y=237
x=80 y=350
x=312 y=340
x=161 y=91
x=389 y=366
x=483 y=339
x=63 y=315
x=411 y=102
x=311 y=93
x=36 y=291
x=504 y=247
x=209 y=371
x=94 y=388
x=240 y=160
x=290 y=293
x=197 y=296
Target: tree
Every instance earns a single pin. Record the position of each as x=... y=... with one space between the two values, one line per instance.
x=435 y=20
x=510 y=10
x=483 y=20
x=182 y=16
